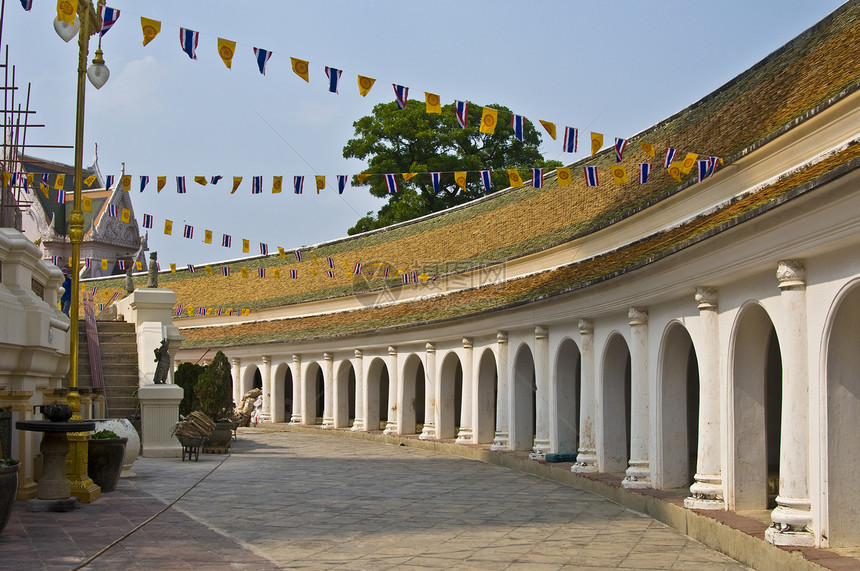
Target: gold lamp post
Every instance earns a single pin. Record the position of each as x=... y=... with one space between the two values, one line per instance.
x=87 y=22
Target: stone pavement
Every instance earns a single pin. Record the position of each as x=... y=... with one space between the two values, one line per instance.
x=304 y=501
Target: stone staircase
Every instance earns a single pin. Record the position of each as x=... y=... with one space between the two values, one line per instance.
x=118 y=344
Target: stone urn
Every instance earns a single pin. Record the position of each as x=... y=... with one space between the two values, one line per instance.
x=104 y=461
x=8 y=490
x=124 y=429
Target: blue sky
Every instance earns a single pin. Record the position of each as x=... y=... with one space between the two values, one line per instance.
x=615 y=67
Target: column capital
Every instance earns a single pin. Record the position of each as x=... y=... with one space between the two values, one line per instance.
x=392 y=350
x=502 y=337
x=297 y=358
x=791 y=273
x=706 y=298
x=235 y=361
x=586 y=326
x=638 y=315
x=359 y=353
x=467 y=342
x=266 y=359
x=328 y=356
x=430 y=347
x=541 y=331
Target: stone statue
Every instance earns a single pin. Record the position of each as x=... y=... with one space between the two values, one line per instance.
x=129 y=283
x=162 y=357
x=153 y=270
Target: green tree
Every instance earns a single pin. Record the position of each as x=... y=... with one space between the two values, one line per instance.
x=214 y=389
x=186 y=376
x=396 y=140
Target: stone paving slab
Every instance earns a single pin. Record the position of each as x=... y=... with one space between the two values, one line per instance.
x=304 y=501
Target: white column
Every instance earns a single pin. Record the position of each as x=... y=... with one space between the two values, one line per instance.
x=502 y=440
x=586 y=458
x=391 y=418
x=298 y=399
x=360 y=397
x=267 y=388
x=328 y=397
x=236 y=373
x=639 y=470
x=706 y=493
x=465 y=435
x=542 y=396
x=792 y=519
x=276 y=405
x=429 y=430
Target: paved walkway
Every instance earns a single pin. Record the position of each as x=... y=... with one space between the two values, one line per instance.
x=304 y=501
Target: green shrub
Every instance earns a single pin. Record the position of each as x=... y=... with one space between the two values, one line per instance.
x=214 y=389
x=186 y=376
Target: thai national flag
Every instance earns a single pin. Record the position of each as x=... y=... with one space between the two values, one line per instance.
x=226 y=240
x=704 y=169
x=225 y=271
x=264 y=249
x=330 y=273
x=215 y=179
x=386 y=271
x=261 y=272
x=644 y=172
x=144 y=180
x=262 y=56
x=13 y=179
x=391 y=183
x=257 y=185
x=357 y=269
x=294 y=274
x=591 y=176
x=55 y=260
x=109 y=18
x=670 y=156
x=485 y=179
x=537 y=178
x=188 y=232
x=402 y=94
x=112 y=210
x=147 y=221
x=201 y=311
x=333 y=75
x=518 y=123
x=341 y=182
x=713 y=168
x=61 y=196
x=436 y=178
x=88 y=262
x=571 y=140
x=298 y=255
x=188 y=41
x=298 y=184
x=179 y=309
x=94 y=290
x=121 y=264
x=330 y=261
x=109 y=181
x=620 y=145
x=191 y=268
x=462 y=109
x=27 y=4
x=180 y=185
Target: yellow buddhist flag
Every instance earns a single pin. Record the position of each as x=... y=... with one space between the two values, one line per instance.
x=160 y=181
x=619 y=174
x=244 y=272
x=173 y=269
x=30 y=179
x=675 y=170
x=563 y=174
x=150 y=29
x=407 y=176
x=364 y=84
x=246 y=246
x=126 y=182
x=226 y=48
x=7 y=178
x=104 y=267
x=168 y=227
x=90 y=180
x=44 y=188
x=237 y=180
x=514 y=177
x=208 y=269
x=550 y=128
x=648 y=148
x=489 y=119
x=320 y=180
x=316 y=260
x=60 y=181
x=190 y=310
x=313 y=272
x=431 y=100
x=66 y=10
x=689 y=162
x=276 y=272
x=125 y=215
x=300 y=67
x=201 y=180
x=281 y=252
x=596 y=142
x=207 y=236
x=139 y=266
x=424 y=277
x=246 y=312
x=460 y=179
x=87 y=203
x=277 y=184
x=361 y=178
x=208 y=311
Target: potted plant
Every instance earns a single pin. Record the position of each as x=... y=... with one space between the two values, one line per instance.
x=106 y=452
x=214 y=393
x=186 y=376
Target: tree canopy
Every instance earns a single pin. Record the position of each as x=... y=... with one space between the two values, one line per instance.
x=411 y=140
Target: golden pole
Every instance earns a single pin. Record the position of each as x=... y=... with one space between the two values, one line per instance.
x=81 y=484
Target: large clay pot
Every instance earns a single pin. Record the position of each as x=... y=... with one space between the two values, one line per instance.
x=123 y=428
x=104 y=461
x=219 y=441
x=8 y=491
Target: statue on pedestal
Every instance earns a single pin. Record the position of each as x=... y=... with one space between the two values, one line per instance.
x=162 y=358
x=152 y=280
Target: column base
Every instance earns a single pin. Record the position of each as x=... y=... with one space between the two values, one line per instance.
x=27 y=490
x=357 y=425
x=706 y=493
x=295 y=420
x=693 y=503
x=789 y=538
x=501 y=441
x=586 y=462
x=327 y=423
x=638 y=475
x=539 y=450
x=62 y=505
x=428 y=432
x=791 y=522
x=464 y=436
x=390 y=428
x=85 y=489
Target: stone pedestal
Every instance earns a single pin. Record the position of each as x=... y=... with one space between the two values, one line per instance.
x=151 y=311
x=159 y=407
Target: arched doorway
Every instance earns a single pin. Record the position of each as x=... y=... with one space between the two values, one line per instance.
x=842 y=362
x=488 y=389
x=757 y=386
x=450 y=396
x=314 y=394
x=614 y=448
x=412 y=418
x=568 y=386
x=523 y=420
x=288 y=394
x=678 y=409
x=377 y=394
x=344 y=395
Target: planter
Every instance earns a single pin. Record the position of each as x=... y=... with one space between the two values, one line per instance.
x=8 y=491
x=220 y=440
x=123 y=428
x=104 y=461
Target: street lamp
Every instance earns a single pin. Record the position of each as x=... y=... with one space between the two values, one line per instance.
x=87 y=23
